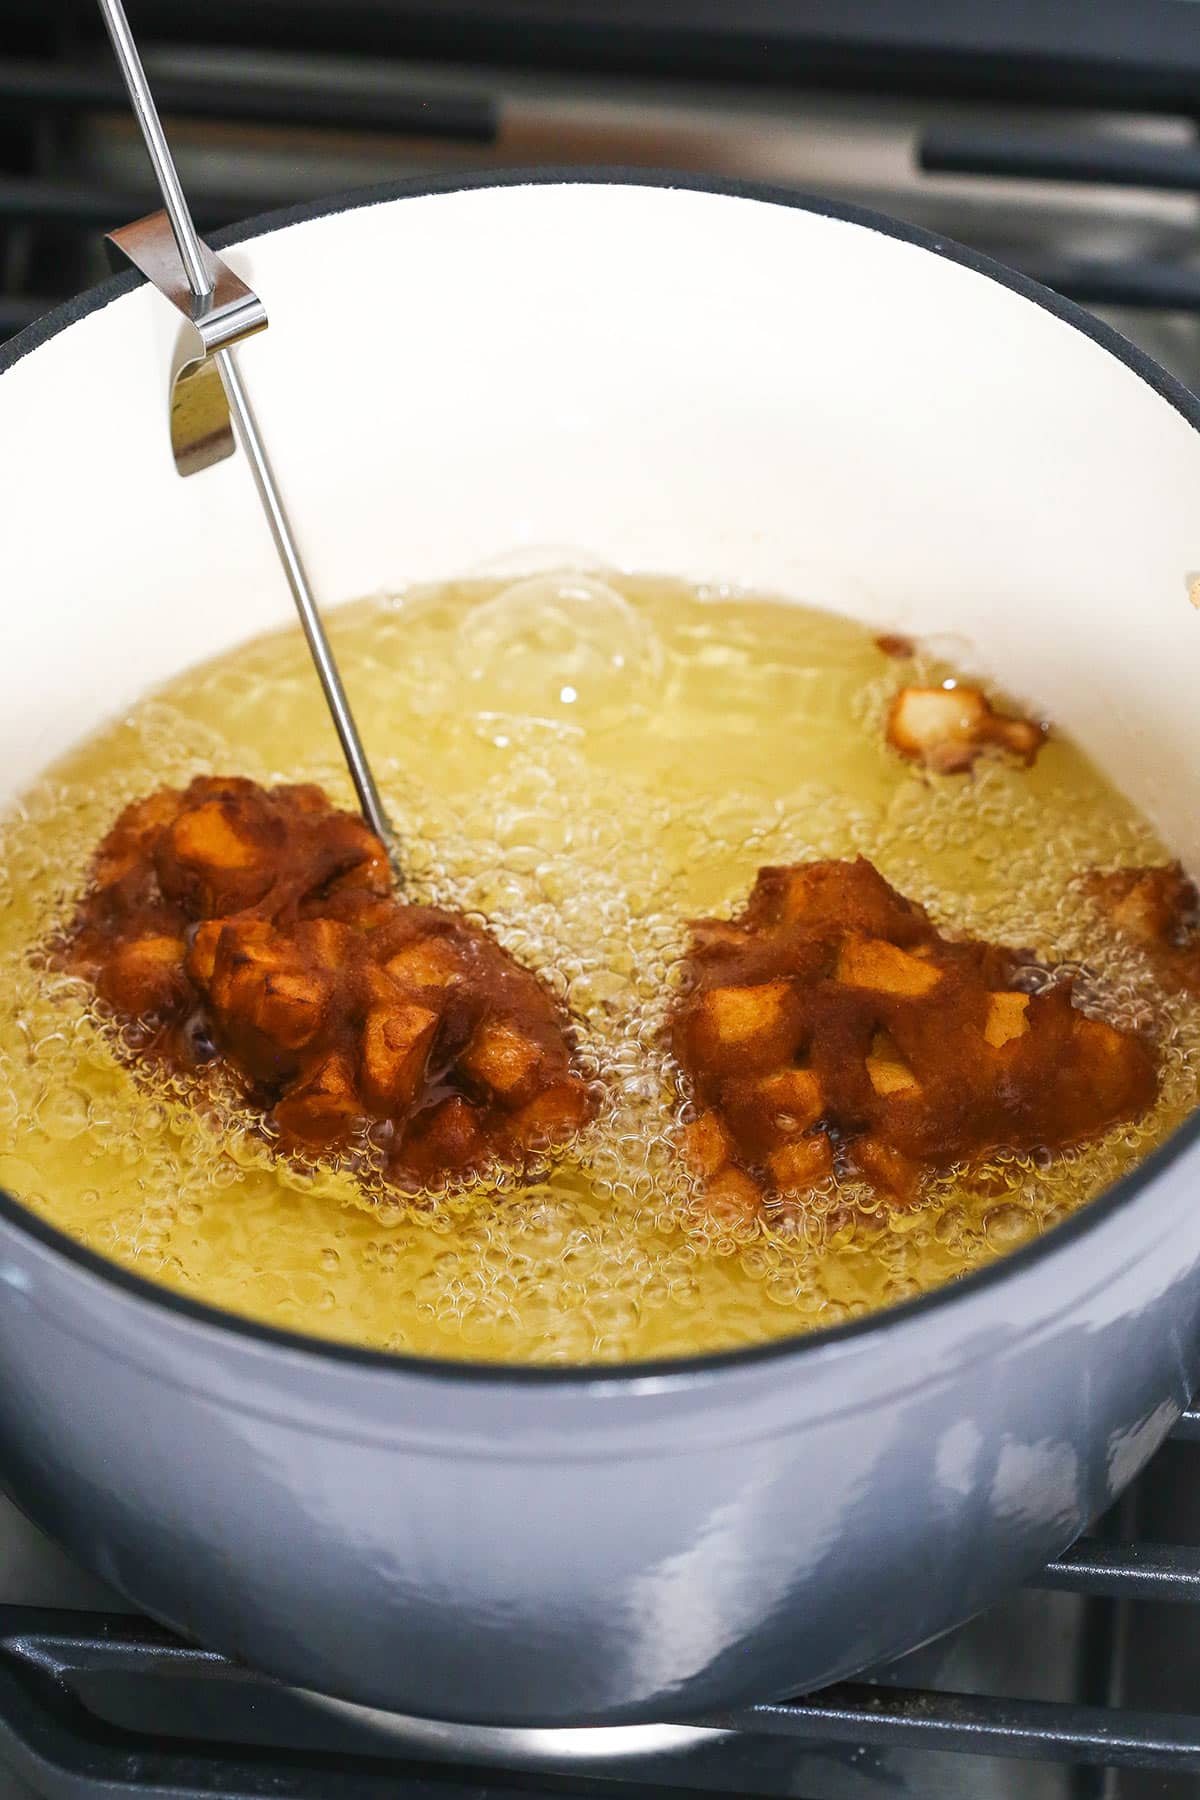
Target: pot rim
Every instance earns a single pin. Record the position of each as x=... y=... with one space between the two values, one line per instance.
x=681 y=1370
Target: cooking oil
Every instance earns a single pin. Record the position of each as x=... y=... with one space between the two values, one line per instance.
x=583 y=762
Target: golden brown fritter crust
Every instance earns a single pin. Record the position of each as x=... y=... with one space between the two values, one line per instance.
x=947 y=729
x=1157 y=908
x=259 y=924
x=831 y=1027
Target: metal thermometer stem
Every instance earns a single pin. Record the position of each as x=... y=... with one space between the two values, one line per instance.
x=251 y=442
x=191 y=253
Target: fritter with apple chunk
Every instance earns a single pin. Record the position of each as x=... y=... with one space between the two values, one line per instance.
x=259 y=924
x=1158 y=908
x=947 y=729
x=831 y=1029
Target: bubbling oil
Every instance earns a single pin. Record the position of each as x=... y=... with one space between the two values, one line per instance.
x=583 y=763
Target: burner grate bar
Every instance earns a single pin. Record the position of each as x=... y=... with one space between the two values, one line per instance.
x=1130 y=1571
x=49 y=1661
x=1103 y=52
x=51 y=88
x=1111 y=161
x=980 y=1725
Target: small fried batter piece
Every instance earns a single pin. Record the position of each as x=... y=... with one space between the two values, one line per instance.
x=894 y=643
x=261 y=921
x=946 y=729
x=830 y=1028
x=1158 y=908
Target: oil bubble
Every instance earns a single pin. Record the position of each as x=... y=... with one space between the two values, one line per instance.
x=563 y=649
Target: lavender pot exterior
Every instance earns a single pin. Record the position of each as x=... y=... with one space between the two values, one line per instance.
x=561 y=1550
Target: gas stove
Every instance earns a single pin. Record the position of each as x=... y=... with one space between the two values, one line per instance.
x=1060 y=139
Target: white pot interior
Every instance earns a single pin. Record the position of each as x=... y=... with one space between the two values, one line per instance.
x=667 y=380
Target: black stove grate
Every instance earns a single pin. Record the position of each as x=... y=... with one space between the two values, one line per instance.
x=333 y=68
x=105 y=1705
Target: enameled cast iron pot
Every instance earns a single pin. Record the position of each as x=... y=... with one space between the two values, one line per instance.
x=678 y=378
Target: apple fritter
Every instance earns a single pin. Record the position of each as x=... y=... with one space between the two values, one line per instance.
x=946 y=729
x=259 y=925
x=831 y=1029
x=1158 y=908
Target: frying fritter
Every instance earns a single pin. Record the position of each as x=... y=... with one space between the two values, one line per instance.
x=947 y=729
x=1159 y=909
x=259 y=924
x=830 y=1028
